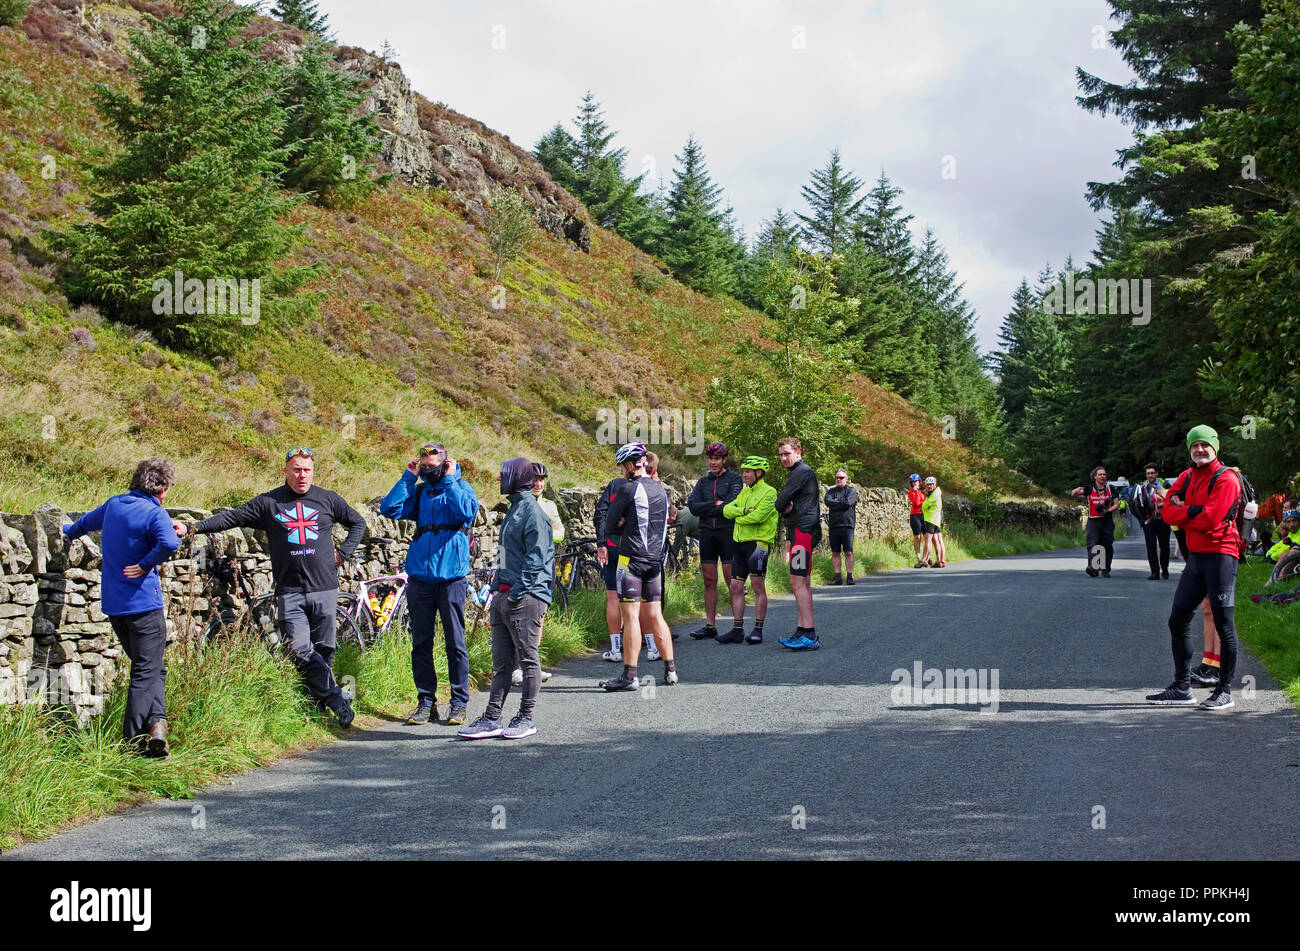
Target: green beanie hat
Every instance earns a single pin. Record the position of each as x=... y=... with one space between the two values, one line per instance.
x=1203 y=434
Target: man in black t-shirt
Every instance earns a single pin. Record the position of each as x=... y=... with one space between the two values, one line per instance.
x=298 y=519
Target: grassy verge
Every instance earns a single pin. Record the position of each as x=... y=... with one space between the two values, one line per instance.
x=53 y=772
x=1271 y=632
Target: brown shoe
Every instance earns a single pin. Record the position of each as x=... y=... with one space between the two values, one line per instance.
x=158 y=748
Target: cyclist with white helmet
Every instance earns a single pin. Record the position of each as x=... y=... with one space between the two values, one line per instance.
x=932 y=522
x=639 y=514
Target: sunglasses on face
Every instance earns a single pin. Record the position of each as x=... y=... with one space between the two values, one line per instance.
x=297 y=451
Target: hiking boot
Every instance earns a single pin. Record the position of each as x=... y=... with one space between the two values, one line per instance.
x=1206 y=676
x=734 y=636
x=457 y=716
x=520 y=727
x=621 y=682
x=345 y=714
x=704 y=633
x=1091 y=572
x=1171 y=696
x=481 y=729
x=156 y=746
x=755 y=636
x=424 y=712
x=1219 y=700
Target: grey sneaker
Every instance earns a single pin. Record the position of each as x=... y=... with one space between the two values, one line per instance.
x=458 y=716
x=423 y=713
x=520 y=727
x=1171 y=696
x=481 y=729
x=1219 y=700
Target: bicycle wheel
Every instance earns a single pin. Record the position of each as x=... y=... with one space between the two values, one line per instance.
x=220 y=625
x=263 y=621
x=353 y=626
x=559 y=596
x=589 y=575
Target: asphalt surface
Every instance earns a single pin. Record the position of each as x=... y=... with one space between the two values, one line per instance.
x=765 y=753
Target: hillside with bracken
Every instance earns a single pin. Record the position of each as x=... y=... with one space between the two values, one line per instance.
x=412 y=337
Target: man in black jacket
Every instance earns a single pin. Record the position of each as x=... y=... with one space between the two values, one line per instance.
x=719 y=486
x=842 y=505
x=1154 y=528
x=298 y=519
x=800 y=504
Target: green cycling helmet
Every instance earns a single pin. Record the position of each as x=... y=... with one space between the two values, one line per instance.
x=755 y=462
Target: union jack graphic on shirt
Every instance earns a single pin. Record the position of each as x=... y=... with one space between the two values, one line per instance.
x=300 y=522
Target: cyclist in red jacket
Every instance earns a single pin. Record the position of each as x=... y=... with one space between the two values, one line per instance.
x=1203 y=501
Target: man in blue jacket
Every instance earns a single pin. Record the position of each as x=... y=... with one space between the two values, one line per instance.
x=138 y=536
x=522 y=583
x=442 y=505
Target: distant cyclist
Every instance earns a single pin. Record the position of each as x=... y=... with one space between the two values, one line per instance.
x=800 y=503
x=932 y=523
x=639 y=513
x=915 y=501
x=842 y=504
x=1100 y=535
x=754 y=514
x=709 y=497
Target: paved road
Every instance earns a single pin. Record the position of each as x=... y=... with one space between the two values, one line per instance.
x=757 y=741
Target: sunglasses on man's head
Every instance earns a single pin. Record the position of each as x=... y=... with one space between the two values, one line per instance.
x=297 y=451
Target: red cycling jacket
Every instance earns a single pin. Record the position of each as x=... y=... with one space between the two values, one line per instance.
x=917 y=498
x=1210 y=531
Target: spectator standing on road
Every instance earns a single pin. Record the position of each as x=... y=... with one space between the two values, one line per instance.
x=443 y=506
x=522 y=582
x=754 y=513
x=1100 y=534
x=137 y=536
x=1203 y=499
x=932 y=524
x=1146 y=509
x=916 y=501
x=710 y=496
x=298 y=519
x=800 y=504
x=842 y=507
x=552 y=512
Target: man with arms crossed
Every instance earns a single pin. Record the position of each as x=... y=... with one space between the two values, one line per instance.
x=709 y=497
x=800 y=503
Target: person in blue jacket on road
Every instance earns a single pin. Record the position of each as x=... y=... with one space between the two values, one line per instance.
x=433 y=494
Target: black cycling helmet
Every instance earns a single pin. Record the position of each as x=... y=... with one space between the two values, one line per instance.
x=716 y=449
x=540 y=469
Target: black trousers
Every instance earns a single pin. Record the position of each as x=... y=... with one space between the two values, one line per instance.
x=143 y=637
x=1156 y=533
x=1214 y=575
x=1100 y=532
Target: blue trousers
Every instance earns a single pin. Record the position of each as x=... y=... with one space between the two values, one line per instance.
x=427 y=602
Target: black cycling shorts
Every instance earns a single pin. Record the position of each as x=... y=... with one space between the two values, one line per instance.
x=639 y=582
x=918 y=523
x=802 y=545
x=929 y=528
x=841 y=539
x=716 y=544
x=750 y=559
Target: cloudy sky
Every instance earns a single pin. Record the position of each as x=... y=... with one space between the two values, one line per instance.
x=984 y=88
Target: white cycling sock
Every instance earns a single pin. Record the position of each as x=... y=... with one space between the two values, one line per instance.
x=616 y=643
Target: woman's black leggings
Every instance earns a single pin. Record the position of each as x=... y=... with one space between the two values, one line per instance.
x=1100 y=532
x=1214 y=575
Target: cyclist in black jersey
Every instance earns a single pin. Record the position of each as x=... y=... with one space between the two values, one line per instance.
x=639 y=513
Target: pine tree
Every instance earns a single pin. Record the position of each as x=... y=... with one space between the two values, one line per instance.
x=598 y=168
x=557 y=150
x=304 y=14
x=883 y=228
x=834 y=205
x=195 y=188
x=695 y=241
x=332 y=146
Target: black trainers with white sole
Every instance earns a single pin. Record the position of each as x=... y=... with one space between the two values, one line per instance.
x=1171 y=696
